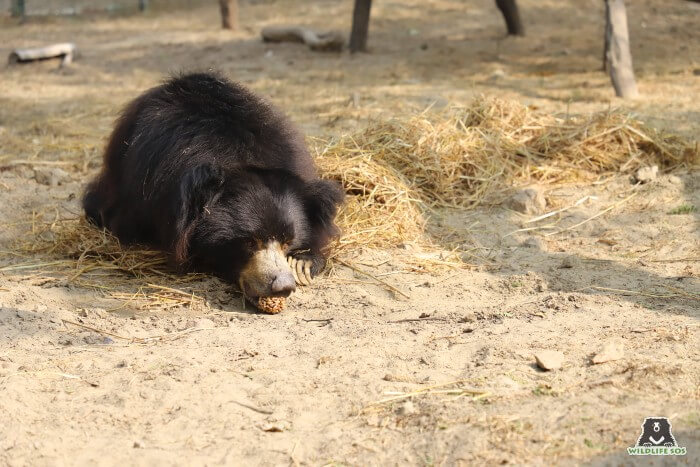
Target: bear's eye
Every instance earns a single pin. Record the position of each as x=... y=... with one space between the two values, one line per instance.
x=252 y=244
x=286 y=239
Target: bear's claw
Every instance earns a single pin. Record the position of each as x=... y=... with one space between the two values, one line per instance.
x=301 y=269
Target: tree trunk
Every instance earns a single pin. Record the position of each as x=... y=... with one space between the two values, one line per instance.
x=360 y=26
x=229 y=14
x=17 y=9
x=143 y=5
x=618 y=56
x=606 y=44
x=512 y=16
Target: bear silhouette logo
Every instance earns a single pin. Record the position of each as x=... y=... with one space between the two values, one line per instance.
x=656 y=432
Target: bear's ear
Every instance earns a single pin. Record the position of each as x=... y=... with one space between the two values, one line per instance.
x=322 y=200
x=198 y=187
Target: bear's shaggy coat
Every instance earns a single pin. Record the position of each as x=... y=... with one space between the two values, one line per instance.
x=206 y=170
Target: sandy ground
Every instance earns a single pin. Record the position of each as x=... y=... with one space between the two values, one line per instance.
x=217 y=383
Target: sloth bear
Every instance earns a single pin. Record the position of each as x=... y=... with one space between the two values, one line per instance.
x=206 y=170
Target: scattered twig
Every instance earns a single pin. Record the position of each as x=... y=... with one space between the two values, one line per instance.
x=411 y=320
x=9 y=164
x=349 y=281
x=57 y=373
x=170 y=289
x=608 y=209
x=646 y=294
x=173 y=335
x=682 y=292
x=390 y=273
x=529 y=229
x=452 y=336
x=291 y=455
x=675 y=260
x=323 y=322
x=17 y=267
x=100 y=331
x=375 y=265
x=138 y=340
x=550 y=214
x=253 y=408
x=432 y=390
x=383 y=282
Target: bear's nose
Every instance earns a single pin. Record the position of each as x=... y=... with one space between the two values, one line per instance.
x=283 y=284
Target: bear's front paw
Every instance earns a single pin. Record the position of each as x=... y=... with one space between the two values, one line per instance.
x=301 y=268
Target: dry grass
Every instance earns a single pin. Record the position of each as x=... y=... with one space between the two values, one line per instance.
x=395 y=174
x=381 y=207
x=85 y=256
x=397 y=171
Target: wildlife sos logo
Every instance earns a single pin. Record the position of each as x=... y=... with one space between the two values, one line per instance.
x=656 y=439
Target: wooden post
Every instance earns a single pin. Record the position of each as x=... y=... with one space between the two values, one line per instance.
x=229 y=14
x=511 y=14
x=17 y=9
x=618 y=56
x=360 y=26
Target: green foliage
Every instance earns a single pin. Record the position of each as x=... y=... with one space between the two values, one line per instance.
x=683 y=209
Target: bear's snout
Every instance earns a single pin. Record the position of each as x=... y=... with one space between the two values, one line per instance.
x=267 y=273
x=283 y=284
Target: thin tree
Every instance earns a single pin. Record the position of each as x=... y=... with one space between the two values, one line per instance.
x=229 y=14
x=360 y=25
x=511 y=14
x=618 y=57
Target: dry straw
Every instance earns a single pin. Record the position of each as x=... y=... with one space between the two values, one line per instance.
x=395 y=173
x=89 y=257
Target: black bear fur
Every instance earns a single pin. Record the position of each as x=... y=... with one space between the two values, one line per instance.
x=206 y=170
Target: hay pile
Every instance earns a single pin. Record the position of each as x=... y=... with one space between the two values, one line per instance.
x=397 y=171
x=382 y=208
x=79 y=254
x=395 y=174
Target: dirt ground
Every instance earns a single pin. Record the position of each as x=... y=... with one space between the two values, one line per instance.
x=351 y=373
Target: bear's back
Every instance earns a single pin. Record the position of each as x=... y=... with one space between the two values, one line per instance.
x=203 y=118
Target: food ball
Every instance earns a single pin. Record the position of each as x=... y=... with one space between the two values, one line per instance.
x=272 y=305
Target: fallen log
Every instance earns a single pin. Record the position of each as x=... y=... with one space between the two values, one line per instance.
x=331 y=41
x=66 y=51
